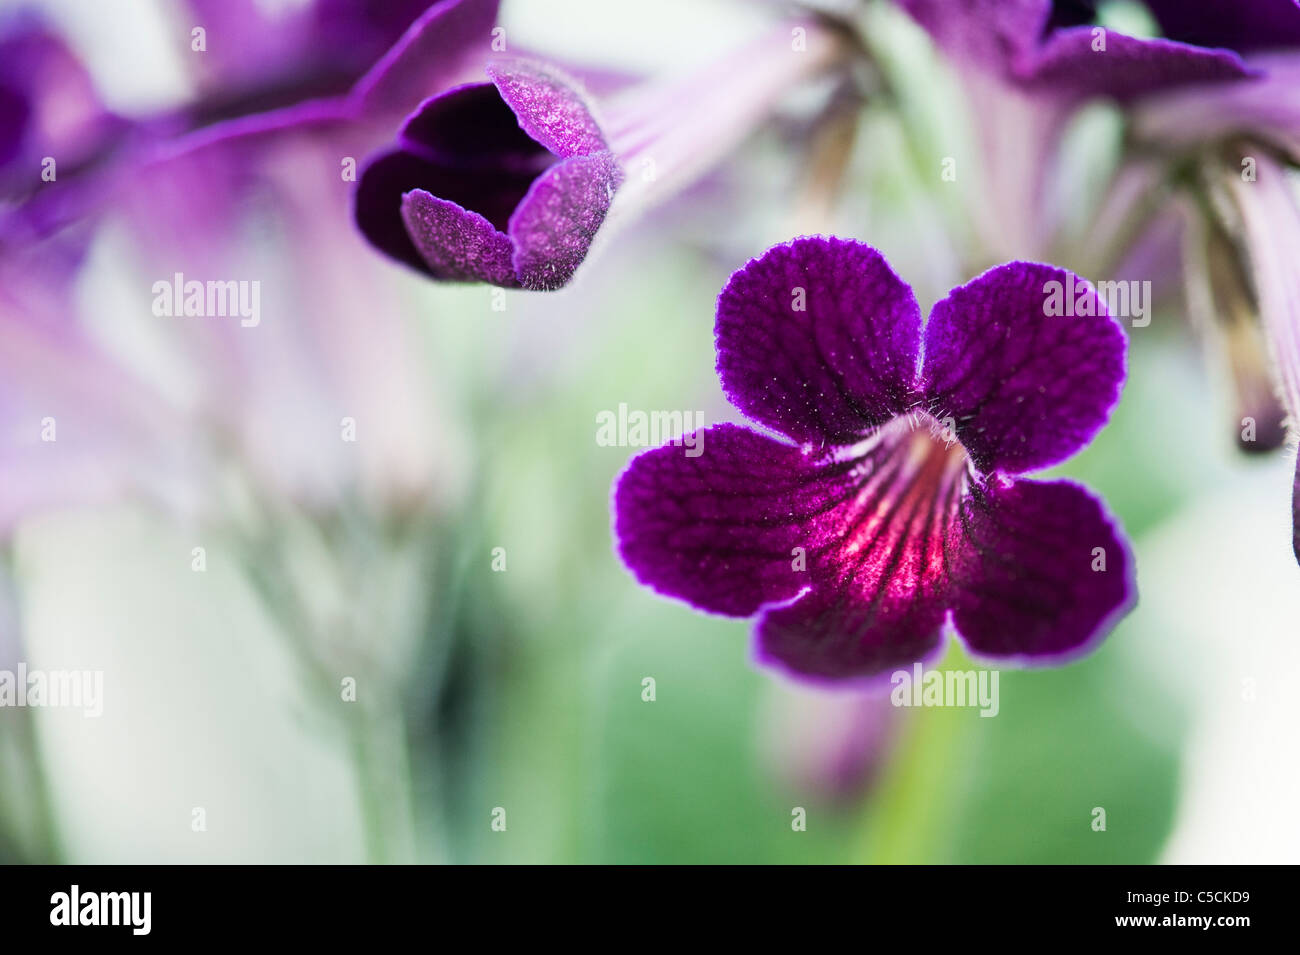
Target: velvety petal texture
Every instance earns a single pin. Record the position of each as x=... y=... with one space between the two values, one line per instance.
x=504 y=182
x=880 y=522
x=1043 y=569
x=880 y=569
x=818 y=339
x=719 y=529
x=1027 y=385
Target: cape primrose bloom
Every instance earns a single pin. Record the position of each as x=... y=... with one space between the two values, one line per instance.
x=509 y=181
x=504 y=182
x=890 y=499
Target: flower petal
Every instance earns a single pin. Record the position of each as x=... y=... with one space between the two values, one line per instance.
x=718 y=530
x=555 y=224
x=1267 y=107
x=1026 y=389
x=1257 y=25
x=987 y=32
x=845 y=635
x=1044 y=572
x=818 y=338
x=458 y=245
x=550 y=105
x=450 y=39
x=1126 y=67
x=879 y=565
x=492 y=195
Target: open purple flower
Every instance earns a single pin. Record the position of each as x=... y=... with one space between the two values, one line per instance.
x=891 y=502
x=504 y=182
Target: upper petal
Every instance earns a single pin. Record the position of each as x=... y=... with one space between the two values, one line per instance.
x=718 y=529
x=550 y=105
x=449 y=39
x=1043 y=572
x=1256 y=25
x=1071 y=62
x=1025 y=387
x=818 y=338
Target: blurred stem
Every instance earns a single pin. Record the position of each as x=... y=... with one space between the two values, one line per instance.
x=909 y=817
x=379 y=752
x=374 y=722
x=41 y=839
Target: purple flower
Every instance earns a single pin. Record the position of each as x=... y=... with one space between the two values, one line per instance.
x=509 y=181
x=261 y=56
x=891 y=502
x=504 y=182
x=1027 y=65
x=1058 y=47
x=53 y=126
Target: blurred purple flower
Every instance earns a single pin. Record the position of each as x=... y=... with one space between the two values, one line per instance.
x=893 y=504
x=56 y=139
x=1058 y=49
x=1027 y=66
x=828 y=747
x=275 y=395
x=48 y=106
x=260 y=56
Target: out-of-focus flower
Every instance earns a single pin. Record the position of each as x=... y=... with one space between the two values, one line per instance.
x=48 y=106
x=56 y=138
x=1059 y=49
x=892 y=505
x=260 y=56
x=828 y=747
x=1026 y=66
x=281 y=391
x=508 y=182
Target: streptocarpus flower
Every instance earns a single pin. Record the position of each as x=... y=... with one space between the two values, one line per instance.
x=892 y=500
x=503 y=182
x=1027 y=65
x=508 y=181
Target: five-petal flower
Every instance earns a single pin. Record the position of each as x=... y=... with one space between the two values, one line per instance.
x=894 y=501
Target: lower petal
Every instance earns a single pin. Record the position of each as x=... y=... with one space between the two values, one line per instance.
x=1044 y=572
x=457 y=244
x=845 y=634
